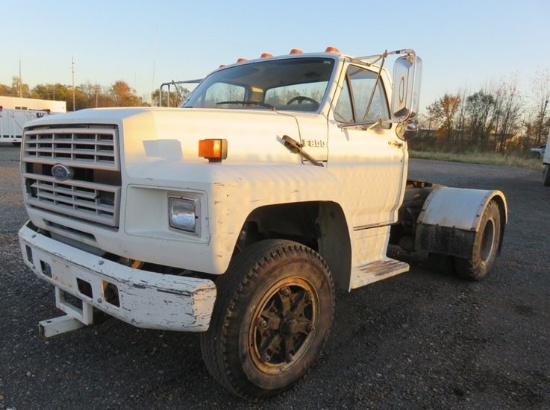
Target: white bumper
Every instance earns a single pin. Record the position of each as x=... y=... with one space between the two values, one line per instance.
x=141 y=298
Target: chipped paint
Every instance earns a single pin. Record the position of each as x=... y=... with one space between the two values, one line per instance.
x=146 y=299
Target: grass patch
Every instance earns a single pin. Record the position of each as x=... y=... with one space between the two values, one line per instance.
x=490 y=158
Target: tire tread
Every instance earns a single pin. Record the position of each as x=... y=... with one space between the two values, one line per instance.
x=234 y=285
x=472 y=268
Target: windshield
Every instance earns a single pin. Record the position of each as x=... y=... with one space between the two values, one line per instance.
x=297 y=84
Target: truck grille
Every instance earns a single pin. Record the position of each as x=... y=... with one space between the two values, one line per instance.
x=85 y=147
x=91 y=193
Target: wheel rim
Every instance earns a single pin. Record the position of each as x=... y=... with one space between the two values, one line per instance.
x=284 y=325
x=487 y=241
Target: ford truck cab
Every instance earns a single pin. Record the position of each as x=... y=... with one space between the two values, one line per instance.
x=237 y=214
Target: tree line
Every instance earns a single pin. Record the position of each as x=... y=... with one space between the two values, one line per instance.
x=494 y=118
x=87 y=95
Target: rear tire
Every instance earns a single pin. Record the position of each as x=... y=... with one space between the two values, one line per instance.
x=486 y=246
x=546 y=175
x=271 y=319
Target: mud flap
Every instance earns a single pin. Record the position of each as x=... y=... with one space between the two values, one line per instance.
x=445 y=240
x=451 y=217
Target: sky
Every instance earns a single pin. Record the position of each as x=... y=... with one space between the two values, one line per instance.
x=465 y=44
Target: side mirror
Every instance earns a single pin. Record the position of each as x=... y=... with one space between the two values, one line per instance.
x=407 y=130
x=407 y=75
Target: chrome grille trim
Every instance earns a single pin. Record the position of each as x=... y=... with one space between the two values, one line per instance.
x=91 y=152
x=87 y=201
x=95 y=147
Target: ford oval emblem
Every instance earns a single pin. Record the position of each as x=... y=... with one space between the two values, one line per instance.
x=62 y=172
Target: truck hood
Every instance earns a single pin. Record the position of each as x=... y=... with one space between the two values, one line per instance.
x=153 y=134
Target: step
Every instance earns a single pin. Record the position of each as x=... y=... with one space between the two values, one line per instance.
x=375 y=271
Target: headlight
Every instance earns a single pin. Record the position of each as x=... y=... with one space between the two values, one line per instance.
x=183 y=214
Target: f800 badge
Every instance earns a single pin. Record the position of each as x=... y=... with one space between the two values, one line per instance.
x=62 y=172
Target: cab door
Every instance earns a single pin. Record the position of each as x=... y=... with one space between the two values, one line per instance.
x=368 y=161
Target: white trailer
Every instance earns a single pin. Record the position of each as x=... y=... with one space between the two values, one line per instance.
x=16 y=112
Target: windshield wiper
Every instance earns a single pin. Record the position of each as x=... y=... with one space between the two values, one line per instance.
x=262 y=104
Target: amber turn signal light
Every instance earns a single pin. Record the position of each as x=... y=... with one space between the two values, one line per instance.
x=214 y=150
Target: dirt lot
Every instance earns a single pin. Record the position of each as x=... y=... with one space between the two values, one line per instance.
x=417 y=341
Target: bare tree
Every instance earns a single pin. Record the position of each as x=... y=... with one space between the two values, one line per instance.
x=480 y=109
x=461 y=120
x=18 y=88
x=507 y=113
x=541 y=95
x=94 y=95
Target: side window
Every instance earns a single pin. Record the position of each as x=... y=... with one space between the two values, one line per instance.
x=344 y=109
x=356 y=94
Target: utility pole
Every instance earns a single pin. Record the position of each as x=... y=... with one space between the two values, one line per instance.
x=72 y=66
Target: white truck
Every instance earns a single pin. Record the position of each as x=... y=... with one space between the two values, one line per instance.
x=15 y=112
x=237 y=214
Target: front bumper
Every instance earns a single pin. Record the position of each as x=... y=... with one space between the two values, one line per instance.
x=141 y=298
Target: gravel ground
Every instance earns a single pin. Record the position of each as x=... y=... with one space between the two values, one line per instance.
x=421 y=340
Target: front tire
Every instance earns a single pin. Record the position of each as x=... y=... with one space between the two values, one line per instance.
x=272 y=317
x=486 y=246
